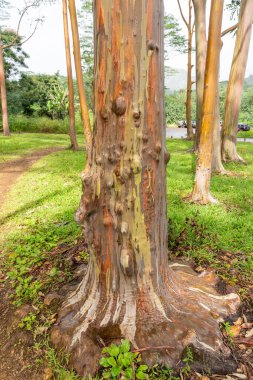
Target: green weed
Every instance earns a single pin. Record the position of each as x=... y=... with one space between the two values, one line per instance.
x=119 y=361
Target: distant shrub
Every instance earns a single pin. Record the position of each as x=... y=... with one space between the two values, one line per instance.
x=21 y=123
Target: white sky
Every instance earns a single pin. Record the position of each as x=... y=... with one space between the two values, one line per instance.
x=46 y=48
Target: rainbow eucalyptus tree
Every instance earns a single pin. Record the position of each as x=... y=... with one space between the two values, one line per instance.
x=72 y=129
x=201 y=46
x=235 y=84
x=129 y=289
x=201 y=190
x=6 y=129
x=80 y=81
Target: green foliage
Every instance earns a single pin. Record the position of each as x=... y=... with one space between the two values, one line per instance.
x=175 y=106
x=187 y=360
x=22 y=123
x=173 y=38
x=58 y=103
x=14 y=56
x=119 y=361
x=161 y=373
x=28 y=322
x=227 y=327
x=39 y=96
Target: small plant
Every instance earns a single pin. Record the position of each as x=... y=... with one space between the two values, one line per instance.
x=187 y=360
x=28 y=322
x=226 y=326
x=120 y=362
x=162 y=373
x=84 y=256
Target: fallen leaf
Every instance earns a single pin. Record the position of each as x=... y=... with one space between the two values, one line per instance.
x=235 y=331
x=247 y=325
x=238 y=322
x=249 y=333
x=48 y=374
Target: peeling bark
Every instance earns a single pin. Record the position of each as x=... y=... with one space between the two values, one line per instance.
x=201 y=190
x=72 y=130
x=189 y=76
x=235 y=84
x=129 y=289
x=217 y=166
x=201 y=47
x=6 y=130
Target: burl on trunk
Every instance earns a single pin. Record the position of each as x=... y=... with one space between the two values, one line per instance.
x=129 y=289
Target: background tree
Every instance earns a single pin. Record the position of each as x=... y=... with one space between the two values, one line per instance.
x=129 y=289
x=201 y=47
x=217 y=165
x=235 y=85
x=71 y=106
x=15 y=42
x=201 y=190
x=85 y=22
x=6 y=130
x=80 y=82
x=190 y=29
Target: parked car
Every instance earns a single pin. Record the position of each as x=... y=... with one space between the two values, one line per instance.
x=243 y=127
x=183 y=124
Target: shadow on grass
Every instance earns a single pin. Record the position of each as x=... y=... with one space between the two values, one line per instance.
x=33 y=204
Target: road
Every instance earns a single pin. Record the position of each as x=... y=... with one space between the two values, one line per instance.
x=179 y=133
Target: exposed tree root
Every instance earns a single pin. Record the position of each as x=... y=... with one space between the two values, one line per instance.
x=183 y=310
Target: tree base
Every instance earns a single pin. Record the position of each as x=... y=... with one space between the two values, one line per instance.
x=234 y=158
x=202 y=199
x=185 y=310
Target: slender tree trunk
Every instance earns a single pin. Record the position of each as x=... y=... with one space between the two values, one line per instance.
x=217 y=166
x=235 y=84
x=80 y=82
x=72 y=130
x=189 y=77
x=201 y=191
x=6 y=130
x=129 y=289
x=201 y=47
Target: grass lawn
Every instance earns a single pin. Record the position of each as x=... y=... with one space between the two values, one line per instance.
x=39 y=211
x=19 y=144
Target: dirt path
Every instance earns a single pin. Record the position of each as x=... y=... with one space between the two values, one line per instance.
x=15 y=355
x=12 y=170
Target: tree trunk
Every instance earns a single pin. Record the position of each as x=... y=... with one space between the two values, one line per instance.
x=189 y=77
x=235 y=84
x=217 y=166
x=201 y=190
x=80 y=82
x=72 y=130
x=129 y=289
x=6 y=130
x=201 y=46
